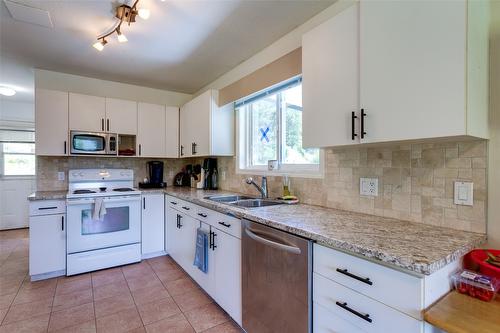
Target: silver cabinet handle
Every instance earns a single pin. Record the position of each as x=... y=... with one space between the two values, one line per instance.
x=279 y=246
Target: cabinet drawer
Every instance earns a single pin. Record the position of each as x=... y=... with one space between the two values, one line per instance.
x=47 y=207
x=396 y=289
x=325 y=321
x=361 y=311
x=226 y=223
x=172 y=202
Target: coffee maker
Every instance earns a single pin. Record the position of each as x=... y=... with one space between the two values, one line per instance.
x=211 y=176
x=155 y=175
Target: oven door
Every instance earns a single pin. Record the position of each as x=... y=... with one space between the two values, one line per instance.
x=121 y=225
x=88 y=143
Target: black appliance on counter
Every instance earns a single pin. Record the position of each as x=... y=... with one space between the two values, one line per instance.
x=211 y=174
x=155 y=175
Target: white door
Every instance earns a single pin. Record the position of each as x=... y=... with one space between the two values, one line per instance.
x=153 y=223
x=228 y=274
x=172 y=132
x=87 y=113
x=412 y=65
x=330 y=87
x=173 y=234
x=14 y=206
x=187 y=241
x=51 y=122
x=200 y=124
x=206 y=280
x=151 y=130
x=47 y=244
x=186 y=124
x=121 y=116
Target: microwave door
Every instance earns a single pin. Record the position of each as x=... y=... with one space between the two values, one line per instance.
x=87 y=143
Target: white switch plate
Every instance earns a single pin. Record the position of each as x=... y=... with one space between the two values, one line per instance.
x=368 y=186
x=60 y=175
x=464 y=193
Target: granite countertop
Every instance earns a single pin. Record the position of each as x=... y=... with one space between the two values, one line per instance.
x=416 y=247
x=48 y=195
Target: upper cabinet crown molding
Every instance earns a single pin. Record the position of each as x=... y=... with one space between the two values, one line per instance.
x=422 y=73
x=205 y=128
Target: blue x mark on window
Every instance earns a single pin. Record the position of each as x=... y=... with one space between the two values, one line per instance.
x=264 y=134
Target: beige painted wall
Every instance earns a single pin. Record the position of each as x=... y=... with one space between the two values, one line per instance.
x=494 y=146
x=85 y=85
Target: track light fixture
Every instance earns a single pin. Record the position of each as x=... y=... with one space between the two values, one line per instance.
x=124 y=13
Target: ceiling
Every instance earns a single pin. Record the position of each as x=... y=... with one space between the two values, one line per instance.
x=182 y=47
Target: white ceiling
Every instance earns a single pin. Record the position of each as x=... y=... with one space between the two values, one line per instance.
x=182 y=47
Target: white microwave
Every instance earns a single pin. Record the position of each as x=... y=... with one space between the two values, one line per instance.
x=93 y=143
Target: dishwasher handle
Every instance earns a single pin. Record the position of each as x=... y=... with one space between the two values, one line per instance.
x=265 y=241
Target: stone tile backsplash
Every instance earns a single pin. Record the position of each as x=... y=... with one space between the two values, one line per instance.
x=415 y=180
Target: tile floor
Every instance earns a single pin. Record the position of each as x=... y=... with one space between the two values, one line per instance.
x=155 y=295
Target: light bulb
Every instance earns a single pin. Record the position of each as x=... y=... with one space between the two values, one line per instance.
x=99 y=45
x=121 y=37
x=144 y=13
x=6 y=91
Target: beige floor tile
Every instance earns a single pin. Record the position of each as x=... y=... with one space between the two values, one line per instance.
x=11 y=283
x=138 y=330
x=157 y=310
x=122 y=321
x=86 y=327
x=111 y=305
x=206 y=317
x=71 y=317
x=3 y=312
x=33 y=295
x=37 y=324
x=28 y=284
x=228 y=327
x=174 y=324
x=66 y=301
x=192 y=299
x=27 y=310
x=147 y=295
x=107 y=276
x=171 y=275
x=180 y=286
x=73 y=284
x=6 y=300
x=110 y=290
x=149 y=281
x=137 y=270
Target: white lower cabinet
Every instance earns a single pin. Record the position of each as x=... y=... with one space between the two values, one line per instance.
x=325 y=321
x=153 y=225
x=47 y=237
x=223 y=278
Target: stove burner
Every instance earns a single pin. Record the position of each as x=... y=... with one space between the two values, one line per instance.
x=83 y=191
x=123 y=189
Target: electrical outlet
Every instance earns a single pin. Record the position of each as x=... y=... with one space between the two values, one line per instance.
x=60 y=175
x=368 y=186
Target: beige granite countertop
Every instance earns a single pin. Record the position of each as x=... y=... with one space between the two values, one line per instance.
x=48 y=195
x=411 y=246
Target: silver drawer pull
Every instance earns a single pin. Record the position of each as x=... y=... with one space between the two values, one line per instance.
x=344 y=306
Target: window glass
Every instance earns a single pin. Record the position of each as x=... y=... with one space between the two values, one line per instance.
x=18 y=159
x=263 y=130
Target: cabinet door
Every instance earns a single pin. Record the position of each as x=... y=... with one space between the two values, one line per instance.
x=185 y=127
x=412 y=65
x=330 y=86
x=206 y=280
x=200 y=122
x=172 y=132
x=121 y=116
x=151 y=130
x=228 y=274
x=87 y=113
x=172 y=234
x=51 y=122
x=153 y=223
x=187 y=241
x=47 y=244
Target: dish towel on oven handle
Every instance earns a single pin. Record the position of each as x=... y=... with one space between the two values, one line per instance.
x=99 y=209
x=201 y=254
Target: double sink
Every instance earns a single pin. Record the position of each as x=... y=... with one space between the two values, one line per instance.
x=244 y=201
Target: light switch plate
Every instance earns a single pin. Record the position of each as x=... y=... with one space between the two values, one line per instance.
x=60 y=175
x=464 y=193
x=368 y=186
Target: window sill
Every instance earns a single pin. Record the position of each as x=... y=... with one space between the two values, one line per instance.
x=293 y=174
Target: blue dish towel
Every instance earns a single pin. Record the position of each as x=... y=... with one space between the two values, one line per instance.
x=201 y=254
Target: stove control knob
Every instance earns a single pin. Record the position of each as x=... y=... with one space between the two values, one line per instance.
x=81 y=174
x=74 y=174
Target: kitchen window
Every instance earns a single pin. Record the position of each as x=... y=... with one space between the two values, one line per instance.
x=270 y=128
x=17 y=152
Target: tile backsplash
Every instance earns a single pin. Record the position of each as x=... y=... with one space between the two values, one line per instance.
x=415 y=180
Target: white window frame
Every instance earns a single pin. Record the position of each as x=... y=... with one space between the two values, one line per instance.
x=243 y=153
x=2 y=157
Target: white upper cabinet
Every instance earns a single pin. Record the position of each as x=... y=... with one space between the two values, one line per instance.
x=51 y=122
x=151 y=130
x=87 y=113
x=330 y=66
x=205 y=128
x=422 y=73
x=121 y=116
x=172 y=132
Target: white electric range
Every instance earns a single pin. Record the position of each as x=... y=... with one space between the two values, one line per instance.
x=112 y=239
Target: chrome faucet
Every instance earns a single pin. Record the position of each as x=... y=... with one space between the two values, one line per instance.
x=262 y=188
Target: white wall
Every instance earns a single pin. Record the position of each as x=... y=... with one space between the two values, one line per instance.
x=494 y=145
x=16 y=114
x=85 y=85
x=282 y=46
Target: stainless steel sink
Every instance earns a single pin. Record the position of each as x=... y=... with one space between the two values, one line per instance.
x=244 y=201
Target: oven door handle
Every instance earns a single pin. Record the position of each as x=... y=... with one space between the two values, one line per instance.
x=106 y=200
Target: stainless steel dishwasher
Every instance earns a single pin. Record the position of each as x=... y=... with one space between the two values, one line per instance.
x=276 y=282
